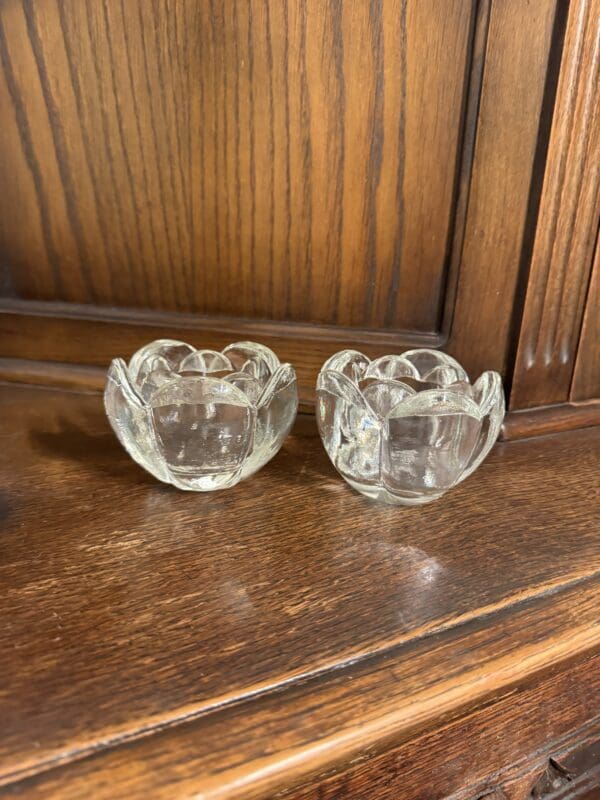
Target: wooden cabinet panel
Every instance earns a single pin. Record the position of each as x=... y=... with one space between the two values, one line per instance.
x=508 y=134
x=567 y=224
x=314 y=175
x=287 y=161
x=586 y=379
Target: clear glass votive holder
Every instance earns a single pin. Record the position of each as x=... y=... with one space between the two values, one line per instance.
x=404 y=429
x=201 y=419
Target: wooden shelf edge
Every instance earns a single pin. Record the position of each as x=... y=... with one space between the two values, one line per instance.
x=404 y=692
x=79 y=377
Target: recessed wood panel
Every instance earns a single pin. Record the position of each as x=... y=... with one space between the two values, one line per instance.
x=286 y=161
x=482 y=170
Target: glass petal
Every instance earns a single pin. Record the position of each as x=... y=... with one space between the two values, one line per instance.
x=130 y=419
x=428 y=441
x=412 y=383
x=350 y=363
x=445 y=376
x=154 y=372
x=390 y=368
x=342 y=386
x=205 y=361
x=257 y=360
x=439 y=402
x=488 y=392
x=171 y=350
x=247 y=384
x=489 y=395
x=425 y=361
x=275 y=416
x=204 y=429
x=382 y=395
x=463 y=387
x=350 y=431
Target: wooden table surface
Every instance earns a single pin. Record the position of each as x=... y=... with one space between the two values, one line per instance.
x=155 y=643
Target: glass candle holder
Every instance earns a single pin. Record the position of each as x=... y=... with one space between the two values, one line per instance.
x=199 y=419
x=404 y=429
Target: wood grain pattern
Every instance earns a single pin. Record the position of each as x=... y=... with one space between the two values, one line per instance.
x=586 y=377
x=47 y=373
x=260 y=159
x=512 y=94
x=497 y=751
x=132 y=606
x=453 y=712
x=567 y=223
x=392 y=209
x=550 y=419
x=571 y=771
x=67 y=334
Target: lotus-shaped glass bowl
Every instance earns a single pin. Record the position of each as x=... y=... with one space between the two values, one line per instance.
x=405 y=429
x=200 y=419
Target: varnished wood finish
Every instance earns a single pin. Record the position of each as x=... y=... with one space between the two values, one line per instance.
x=567 y=224
x=586 y=379
x=571 y=771
x=501 y=747
x=382 y=212
x=263 y=159
x=317 y=175
x=455 y=752
x=66 y=334
x=518 y=44
x=550 y=419
x=48 y=373
x=309 y=165
x=279 y=629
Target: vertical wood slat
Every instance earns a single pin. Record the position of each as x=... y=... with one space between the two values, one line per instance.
x=567 y=223
x=512 y=95
x=586 y=378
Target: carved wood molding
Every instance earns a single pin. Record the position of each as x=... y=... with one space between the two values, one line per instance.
x=72 y=338
x=526 y=422
x=586 y=378
x=567 y=222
